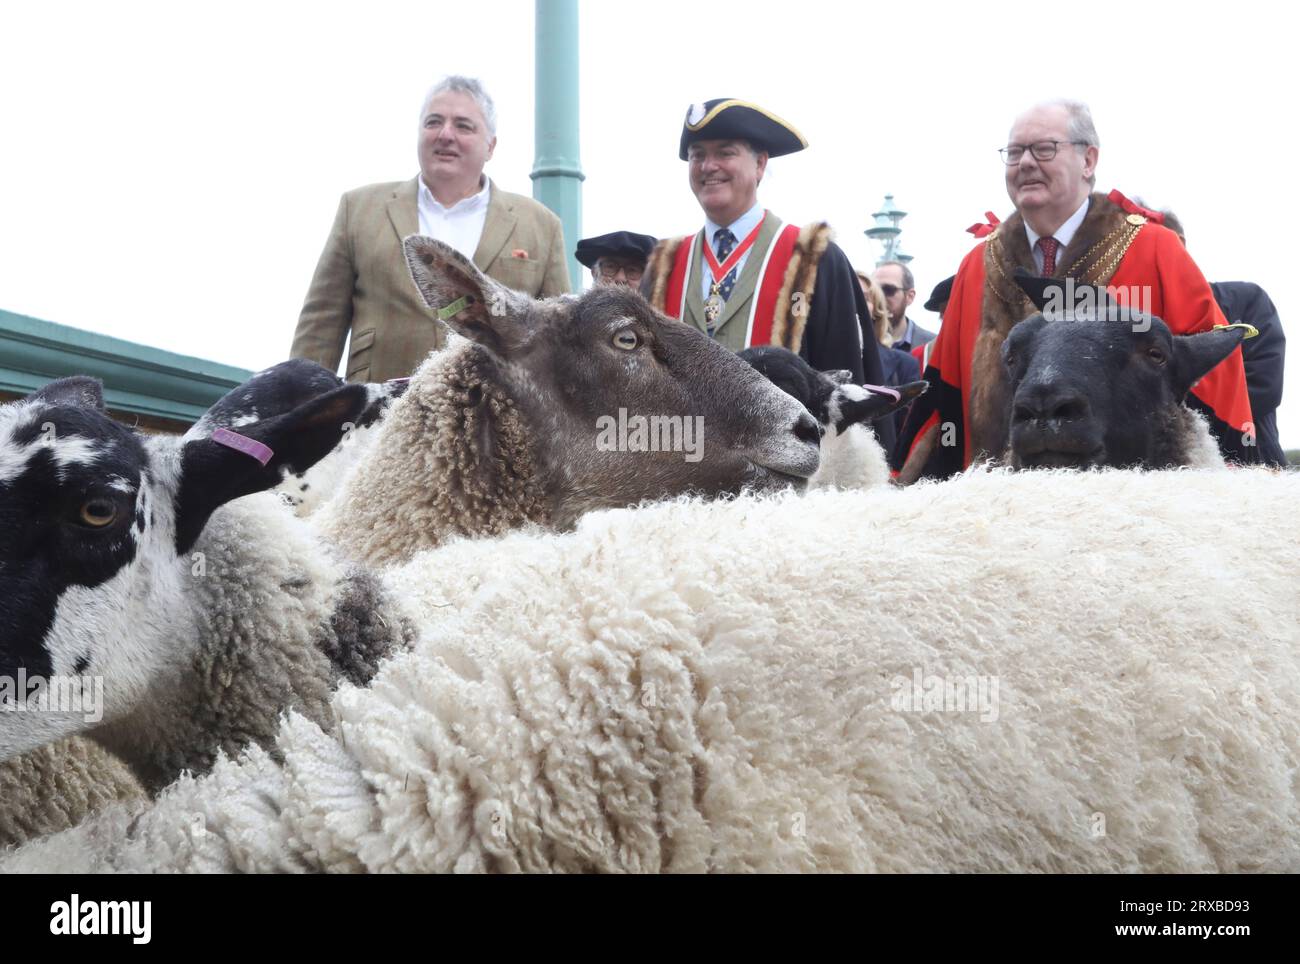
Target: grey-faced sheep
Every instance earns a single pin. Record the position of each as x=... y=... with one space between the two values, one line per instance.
x=1104 y=678
x=513 y=426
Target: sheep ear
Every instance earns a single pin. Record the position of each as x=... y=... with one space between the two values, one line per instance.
x=1058 y=296
x=230 y=464
x=1195 y=355
x=80 y=391
x=851 y=404
x=472 y=304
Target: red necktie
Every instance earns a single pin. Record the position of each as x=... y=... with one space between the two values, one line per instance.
x=1048 y=246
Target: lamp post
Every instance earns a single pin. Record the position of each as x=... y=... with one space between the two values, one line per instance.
x=557 y=172
x=886 y=231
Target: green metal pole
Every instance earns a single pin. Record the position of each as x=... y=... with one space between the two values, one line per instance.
x=557 y=171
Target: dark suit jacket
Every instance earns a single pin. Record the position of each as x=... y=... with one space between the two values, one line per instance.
x=920 y=336
x=362 y=283
x=1264 y=357
x=898 y=368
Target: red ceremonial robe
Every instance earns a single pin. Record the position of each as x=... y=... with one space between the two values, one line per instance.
x=1154 y=259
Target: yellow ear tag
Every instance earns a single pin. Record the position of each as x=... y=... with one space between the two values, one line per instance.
x=455 y=308
x=1251 y=330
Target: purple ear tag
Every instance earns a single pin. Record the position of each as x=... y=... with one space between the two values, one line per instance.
x=885 y=390
x=242 y=443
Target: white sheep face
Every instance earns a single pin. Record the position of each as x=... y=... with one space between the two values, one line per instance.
x=96 y=524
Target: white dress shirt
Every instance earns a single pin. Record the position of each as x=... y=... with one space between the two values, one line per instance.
x=740 y=228
x=1064 y=234
x=460 y=225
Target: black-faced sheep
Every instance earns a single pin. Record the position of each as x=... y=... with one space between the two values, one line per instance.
x=1093 y=383
x=851 y=457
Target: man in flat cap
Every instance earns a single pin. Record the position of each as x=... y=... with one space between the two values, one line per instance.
x=615 y=259
x=746 y=278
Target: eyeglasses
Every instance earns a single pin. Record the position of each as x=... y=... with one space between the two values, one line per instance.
x=610 y=271
x=890 y=290
x=1042 y=150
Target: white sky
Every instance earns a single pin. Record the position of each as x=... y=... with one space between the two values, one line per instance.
x=168 y=172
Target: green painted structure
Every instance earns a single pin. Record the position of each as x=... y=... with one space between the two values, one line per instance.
x=557 y=171
x=137 y=379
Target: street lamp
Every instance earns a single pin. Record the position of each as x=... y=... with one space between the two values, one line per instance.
x=886 y=230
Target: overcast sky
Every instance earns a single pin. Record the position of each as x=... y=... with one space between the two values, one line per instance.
x=168 y=172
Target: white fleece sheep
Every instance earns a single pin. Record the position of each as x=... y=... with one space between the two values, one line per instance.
x=729 y=687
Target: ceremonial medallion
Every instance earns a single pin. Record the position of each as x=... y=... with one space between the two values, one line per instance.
x=712 y=308
x=1136 y=219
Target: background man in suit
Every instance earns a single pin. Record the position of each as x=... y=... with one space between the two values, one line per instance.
x=361 y=283
x=1264 y=356
x=899 y=288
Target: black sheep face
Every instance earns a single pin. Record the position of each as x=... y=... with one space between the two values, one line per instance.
x=829 y=397
x=1103 y=388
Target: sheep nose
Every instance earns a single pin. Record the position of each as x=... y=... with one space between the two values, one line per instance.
x=1045 y=401
x=807 y=429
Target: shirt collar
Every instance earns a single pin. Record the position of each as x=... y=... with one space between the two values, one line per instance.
x=908 y=331
x=1065 y=233
x=740 y=227
x=464 y=204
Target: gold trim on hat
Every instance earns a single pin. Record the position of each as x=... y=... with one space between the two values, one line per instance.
x=719 y=108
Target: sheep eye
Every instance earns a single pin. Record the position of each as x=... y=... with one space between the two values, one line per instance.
x=98 y=513
x=1156 y=355
x=626 y=340
x=1011 y=360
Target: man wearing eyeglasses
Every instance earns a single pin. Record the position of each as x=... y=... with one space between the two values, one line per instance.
x=895 y=281
x=615 y=259
x=1060 y=228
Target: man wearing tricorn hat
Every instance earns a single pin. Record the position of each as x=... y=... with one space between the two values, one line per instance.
x=617 y=258
x=746 y=279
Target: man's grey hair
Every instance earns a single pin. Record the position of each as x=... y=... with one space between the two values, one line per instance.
x=909 y=283
x=1081 y=129
x=465 y=85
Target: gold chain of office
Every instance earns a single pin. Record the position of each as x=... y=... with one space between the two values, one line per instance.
x=1108 y=253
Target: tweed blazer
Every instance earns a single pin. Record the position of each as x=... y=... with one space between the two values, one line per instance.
x=362 y=285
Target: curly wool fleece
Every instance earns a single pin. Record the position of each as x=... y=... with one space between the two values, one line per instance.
x=56 y=786
x=722 y=687
x=452 y=457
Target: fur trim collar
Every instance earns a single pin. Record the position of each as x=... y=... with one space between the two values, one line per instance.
x=1091 y=258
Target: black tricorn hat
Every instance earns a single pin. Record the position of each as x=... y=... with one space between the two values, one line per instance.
x=941 y=293
x=727 y=119
x=619 y=244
